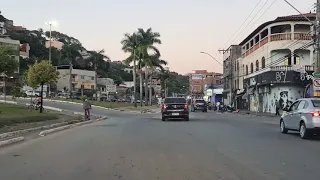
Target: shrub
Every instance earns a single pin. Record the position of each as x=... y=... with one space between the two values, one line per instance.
x=83 y=98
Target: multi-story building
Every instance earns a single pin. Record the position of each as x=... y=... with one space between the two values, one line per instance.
x=277 y=63
x=80 y=81
x=230 y=71
x=201 y=80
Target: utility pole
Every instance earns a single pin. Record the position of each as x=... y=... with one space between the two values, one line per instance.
x=317 y=34
x=70 y=79
x=316 y=92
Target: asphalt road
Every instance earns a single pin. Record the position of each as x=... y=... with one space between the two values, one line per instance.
x=142 y=147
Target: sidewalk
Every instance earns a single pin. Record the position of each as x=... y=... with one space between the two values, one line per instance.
x=247 y=112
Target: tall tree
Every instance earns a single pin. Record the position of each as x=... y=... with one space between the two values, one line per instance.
x=42 y=73
x=97 y=59
x=147 y=53
x=7 y=63
x=130 y=43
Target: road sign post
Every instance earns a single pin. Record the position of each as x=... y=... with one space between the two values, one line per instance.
x=316 y=85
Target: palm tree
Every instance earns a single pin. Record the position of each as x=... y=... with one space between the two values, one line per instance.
x=139 y=44
x=130 y=43
x=148 y=39
x=151 y=63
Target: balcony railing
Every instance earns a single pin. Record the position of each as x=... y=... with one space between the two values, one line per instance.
x=278 y=37
x=291 y=68
x=302 y=36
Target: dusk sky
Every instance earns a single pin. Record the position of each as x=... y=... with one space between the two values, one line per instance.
x=186 y=26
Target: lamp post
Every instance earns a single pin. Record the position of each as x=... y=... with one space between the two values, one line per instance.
x=50 y=44
x=211 y=57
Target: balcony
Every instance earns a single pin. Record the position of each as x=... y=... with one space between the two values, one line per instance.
x=278 y=37
x=291 y=68
x=307 y=68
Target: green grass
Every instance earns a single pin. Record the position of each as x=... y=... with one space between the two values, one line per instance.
x=101 y=103
x=14 y=114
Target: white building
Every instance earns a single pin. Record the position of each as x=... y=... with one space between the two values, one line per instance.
x=271 y=54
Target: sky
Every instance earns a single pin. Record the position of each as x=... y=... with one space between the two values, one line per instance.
x=187 y=27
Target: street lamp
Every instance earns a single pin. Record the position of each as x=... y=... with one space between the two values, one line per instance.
x=50 y=42
x=50 y=36
x=211 y=57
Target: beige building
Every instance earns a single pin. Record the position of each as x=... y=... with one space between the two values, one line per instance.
x=56 y=44
x=80 y=79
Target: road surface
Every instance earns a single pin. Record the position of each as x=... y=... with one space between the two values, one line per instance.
x=142 y=147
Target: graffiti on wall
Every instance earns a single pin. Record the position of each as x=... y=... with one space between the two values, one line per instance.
x=306 y=76
x=281 y=76
x=286 y=95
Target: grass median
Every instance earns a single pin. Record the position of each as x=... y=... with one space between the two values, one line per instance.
x=15 y=114
x=101 y=103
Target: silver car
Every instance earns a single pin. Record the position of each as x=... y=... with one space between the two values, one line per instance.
x=302 y=116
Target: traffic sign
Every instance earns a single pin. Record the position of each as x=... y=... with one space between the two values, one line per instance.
x=316 y=84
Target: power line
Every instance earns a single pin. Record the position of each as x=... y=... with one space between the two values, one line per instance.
x=257 y=19
x=242 y=23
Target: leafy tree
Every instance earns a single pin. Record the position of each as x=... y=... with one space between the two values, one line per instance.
x=42 y=73
x=8 y=64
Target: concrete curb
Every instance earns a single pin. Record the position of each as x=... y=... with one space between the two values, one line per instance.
x=9 y=102
x=11 y=141
x=46 y=132
x=19 y=132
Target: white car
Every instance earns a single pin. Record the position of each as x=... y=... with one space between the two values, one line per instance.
x=302 y=116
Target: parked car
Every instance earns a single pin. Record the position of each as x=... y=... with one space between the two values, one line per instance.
x=175 y=108
x=302 y=116
x=199 y=105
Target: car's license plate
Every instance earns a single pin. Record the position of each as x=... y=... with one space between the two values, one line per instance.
x=175 y=114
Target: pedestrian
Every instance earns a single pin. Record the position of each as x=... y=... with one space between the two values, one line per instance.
x=86 y=108
x=277 y=107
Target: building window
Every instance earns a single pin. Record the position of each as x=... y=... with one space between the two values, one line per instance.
x=92 y=78
x=237 y=66
x=251 y=68
x=92 y=86
x=257 y=65
x=247 y=70
x=82 y=76
x=263 y=62
x=82 y=86
x=242 y=69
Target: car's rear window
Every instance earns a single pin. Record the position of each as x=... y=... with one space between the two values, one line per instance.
x=316 y=103
x=175 y=100
x=200 y=101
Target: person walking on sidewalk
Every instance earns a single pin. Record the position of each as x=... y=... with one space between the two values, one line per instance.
x=86 y=108
x=277 y=107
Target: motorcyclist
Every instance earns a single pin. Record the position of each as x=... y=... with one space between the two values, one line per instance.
x=37 y=101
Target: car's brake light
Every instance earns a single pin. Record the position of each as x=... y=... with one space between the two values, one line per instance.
x=164 y=106
x=315 y=114
x=186 y=106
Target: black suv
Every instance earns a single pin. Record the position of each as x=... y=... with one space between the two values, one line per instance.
x=175 y=108
x=200 y=104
